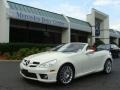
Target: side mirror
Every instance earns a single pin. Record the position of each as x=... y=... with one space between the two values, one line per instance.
x=90 y=51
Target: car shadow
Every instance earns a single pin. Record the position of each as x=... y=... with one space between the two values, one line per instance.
x=35 y=83
x=79 y=81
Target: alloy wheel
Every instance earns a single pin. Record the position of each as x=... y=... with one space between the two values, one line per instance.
x=66 y=74
x=108 y=66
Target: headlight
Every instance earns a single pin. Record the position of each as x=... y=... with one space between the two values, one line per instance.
x=48 y=64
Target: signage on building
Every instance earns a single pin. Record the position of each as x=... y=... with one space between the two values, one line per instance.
x=36 y=18
x=97 y=27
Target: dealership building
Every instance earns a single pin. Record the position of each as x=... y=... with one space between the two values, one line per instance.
x=21 y=23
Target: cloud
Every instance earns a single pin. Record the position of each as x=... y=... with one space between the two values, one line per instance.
x=115 y=25
x=72 y=11
x=106 y=2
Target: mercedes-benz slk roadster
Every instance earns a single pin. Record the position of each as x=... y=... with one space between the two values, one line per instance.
x=65 y=62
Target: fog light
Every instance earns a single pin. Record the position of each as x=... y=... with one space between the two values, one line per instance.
x=44 y=76
x=52 y=70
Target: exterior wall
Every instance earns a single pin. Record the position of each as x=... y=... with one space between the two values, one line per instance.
x=104 y=25
x=47 y=21
x=105 y=33
x=4 y=22
x=66 y=34
x=91 y=20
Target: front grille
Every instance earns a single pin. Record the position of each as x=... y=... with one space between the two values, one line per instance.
x=28 y=74
x=36 y=63
x=32 y=66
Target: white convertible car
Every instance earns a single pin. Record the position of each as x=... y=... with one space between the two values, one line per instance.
x=65 y=62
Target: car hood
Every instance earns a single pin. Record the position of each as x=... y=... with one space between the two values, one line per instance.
x=48 y=56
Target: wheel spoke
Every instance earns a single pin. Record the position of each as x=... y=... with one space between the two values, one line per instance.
x=108 y=67
x=66 y=74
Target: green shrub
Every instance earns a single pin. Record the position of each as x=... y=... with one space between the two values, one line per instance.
x=6 y=55
x=19 y=55
x=18 y=51
x=14 y=47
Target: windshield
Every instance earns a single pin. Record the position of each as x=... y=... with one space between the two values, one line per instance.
x=57 y=47
x=70 y=47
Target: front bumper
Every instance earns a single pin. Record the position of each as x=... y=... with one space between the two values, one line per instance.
x=35 y=73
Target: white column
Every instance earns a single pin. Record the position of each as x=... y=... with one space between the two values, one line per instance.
x=4 y=22
x=91 y=20
x=106 y=32
x=93 y=35
x=89 y=40
x=66 y=34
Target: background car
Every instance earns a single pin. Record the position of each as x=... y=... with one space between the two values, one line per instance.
x=65 y=62
x=114 y=49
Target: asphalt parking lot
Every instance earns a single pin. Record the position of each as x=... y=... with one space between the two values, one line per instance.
x=10 y=79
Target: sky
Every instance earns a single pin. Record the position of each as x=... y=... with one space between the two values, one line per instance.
x=79 y=8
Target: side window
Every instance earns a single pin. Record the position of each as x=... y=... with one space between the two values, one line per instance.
x=112 y=47
x=103 y=47
x=107 y=47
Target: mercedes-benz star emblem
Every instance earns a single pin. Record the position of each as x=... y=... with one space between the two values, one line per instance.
x=27 y=62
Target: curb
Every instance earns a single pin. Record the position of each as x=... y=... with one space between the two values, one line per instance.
x=10 y=60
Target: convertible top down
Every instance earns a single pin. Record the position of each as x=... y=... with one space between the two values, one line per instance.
x=65 y=62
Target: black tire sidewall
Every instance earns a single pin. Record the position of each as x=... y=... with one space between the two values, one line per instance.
x=58 y=75
x=105 y=66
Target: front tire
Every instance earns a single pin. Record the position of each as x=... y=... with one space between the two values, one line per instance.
x=65 y=74
x=108 y=67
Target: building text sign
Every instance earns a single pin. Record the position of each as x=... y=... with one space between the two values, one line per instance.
x=36 y=18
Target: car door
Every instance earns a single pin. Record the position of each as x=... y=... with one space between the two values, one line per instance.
x=98 y=59
x=84 y=63
x=94 y=60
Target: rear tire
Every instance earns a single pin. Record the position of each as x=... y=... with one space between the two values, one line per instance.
x=65 y=74
x=108 y=67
